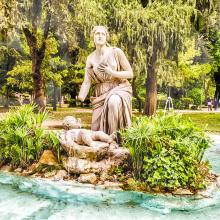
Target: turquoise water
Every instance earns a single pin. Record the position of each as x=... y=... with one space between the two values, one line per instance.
x=27 y=198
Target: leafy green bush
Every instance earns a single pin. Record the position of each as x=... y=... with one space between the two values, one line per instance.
x=194 y=107
x=182 y=103
x=50 y=141
x=135 y=104
x=72 y=102
x=167 y=152
x=22 y=137
x=161 y=100
x=197 y=95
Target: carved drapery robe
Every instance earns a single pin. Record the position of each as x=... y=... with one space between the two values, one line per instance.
x=104 y=87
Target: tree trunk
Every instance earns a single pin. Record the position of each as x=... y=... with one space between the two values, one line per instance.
x=54 y=97
x=60 y=97
x=151 y=84
x=39 y=96
x=38 y=52
x=6 y=104
x=217 y=91
x=217 y=83
x=151 y=93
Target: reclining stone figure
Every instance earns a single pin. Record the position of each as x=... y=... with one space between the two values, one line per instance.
x=73 y=141
x=70 y=122
x=84 y=137
x=90 y=152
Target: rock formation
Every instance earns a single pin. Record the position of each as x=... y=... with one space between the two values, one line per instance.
x=91 y=155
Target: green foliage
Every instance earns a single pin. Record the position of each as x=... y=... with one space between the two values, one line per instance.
x=215 y=50
x=167 y=26
x=53 y=68
x=167 y=152
x=161 y=100
x=182 y=103
x=20 y=76
x=22 y=137
x=197 y=95
x=50 y=141
x=135 y=104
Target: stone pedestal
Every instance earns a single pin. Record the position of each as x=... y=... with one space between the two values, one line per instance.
x=93 y=164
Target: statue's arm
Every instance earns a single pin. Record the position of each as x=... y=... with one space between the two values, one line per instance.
x=127 y=72
x=84 y=90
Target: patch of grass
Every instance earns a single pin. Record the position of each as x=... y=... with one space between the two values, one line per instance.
x=85 y=114
x=207 y=121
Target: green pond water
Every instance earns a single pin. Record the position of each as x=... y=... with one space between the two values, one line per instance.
x=28 y=198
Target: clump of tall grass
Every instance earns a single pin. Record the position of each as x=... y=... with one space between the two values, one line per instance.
x=22 y=137
x=167 y=152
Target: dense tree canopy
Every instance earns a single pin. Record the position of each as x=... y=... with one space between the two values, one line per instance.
x=172 y=43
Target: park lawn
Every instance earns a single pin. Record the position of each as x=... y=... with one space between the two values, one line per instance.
x=85 y=114
x=208 y=121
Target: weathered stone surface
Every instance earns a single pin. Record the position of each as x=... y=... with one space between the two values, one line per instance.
x=88 y=162
x=105 y=176
x=6 y=168
x=79 y=166
x=32 y=167
x=50 y=174
x=119 y=154
x=96 y=153
x=114 y=185
x=88 y=178
x=30 y=170
x=71 y=138
x=48 y=158
x=18 y=170
x=211 y=189
x=70 y=122
x=87 y=155
x=182 y=192
x=52 y=124
x=61 y=175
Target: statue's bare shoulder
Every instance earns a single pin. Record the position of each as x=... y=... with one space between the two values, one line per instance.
x=119 y=52
x=90 y=60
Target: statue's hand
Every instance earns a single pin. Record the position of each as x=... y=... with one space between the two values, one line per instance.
x=105 y=69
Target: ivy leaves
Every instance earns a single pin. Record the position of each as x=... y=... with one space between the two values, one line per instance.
x=167 y=152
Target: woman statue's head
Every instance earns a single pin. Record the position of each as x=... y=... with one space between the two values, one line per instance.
x=100 y=35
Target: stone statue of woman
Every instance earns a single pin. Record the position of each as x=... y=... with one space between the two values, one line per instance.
x=107 y=69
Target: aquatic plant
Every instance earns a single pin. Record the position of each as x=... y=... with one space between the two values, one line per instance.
x=167 y=152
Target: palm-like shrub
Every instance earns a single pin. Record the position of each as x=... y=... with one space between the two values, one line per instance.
x=167 y=152
x=22 y=137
